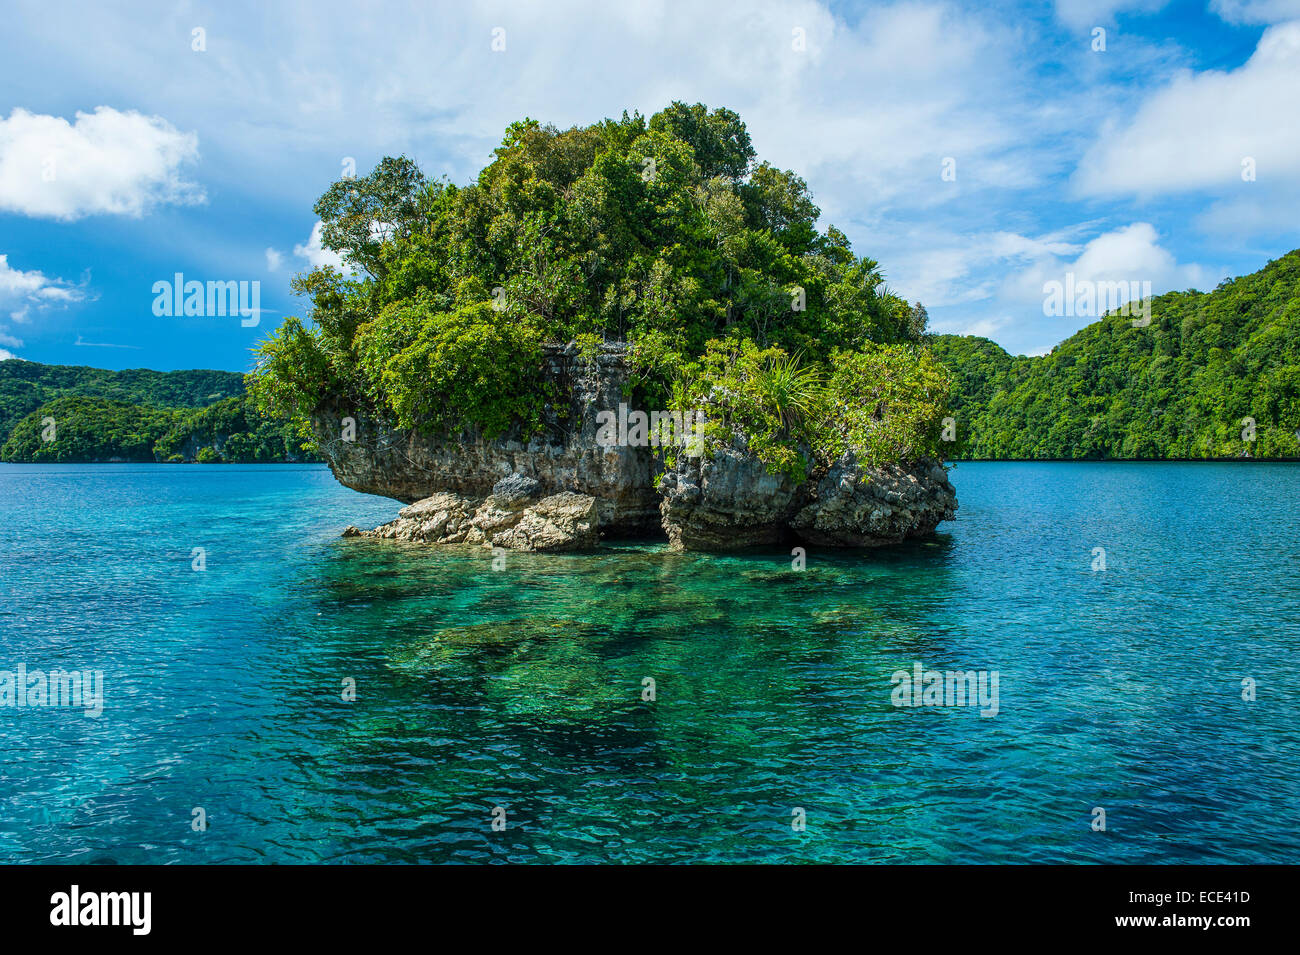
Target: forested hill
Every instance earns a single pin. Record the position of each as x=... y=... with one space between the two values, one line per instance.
x=134 y=415
x=26 y=385
x=1177 y=388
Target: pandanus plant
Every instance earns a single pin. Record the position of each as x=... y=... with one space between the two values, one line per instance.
x=791 y=389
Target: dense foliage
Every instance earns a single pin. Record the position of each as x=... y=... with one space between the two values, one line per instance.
x=1177 y=388
x=26 y=385
x=666 y=233
x=87 y=429
x=134 y=415
x=884 y=403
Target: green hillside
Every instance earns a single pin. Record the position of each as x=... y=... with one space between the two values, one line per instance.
x=1178 y=388
x=134 y=415
x=26 y=385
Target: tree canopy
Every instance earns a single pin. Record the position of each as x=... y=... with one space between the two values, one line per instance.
x=665 y=233
x=1215 y=374
x=135 y=415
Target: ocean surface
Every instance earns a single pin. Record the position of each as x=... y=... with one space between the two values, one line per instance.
x=505 y=714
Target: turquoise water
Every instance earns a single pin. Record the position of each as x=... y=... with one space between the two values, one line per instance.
x=521 y=688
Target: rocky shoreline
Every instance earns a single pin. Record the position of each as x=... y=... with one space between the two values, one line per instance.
x=563 y=489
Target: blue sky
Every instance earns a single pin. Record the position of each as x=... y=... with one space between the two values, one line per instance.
x=127 y=155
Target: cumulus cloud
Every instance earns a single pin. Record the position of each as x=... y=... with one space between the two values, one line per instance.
x=1211 y=130
x=864 y=101
x=25 y=291
x=1011 y=271
x=1256 y=11
x=1130 y=254
x=316 y=255
x=946 y=270
x=106 y=162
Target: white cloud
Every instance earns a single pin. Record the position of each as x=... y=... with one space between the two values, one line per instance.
x=1256 y=11
x=940 y=86
x=1197 y=131
x=1012 y=270
x=106 y=162
x=316 y=255
x=865 y=111
x=1132 y=253
x=1272 y=210
x=983 y=327
x=958 y=270
x=22 y=291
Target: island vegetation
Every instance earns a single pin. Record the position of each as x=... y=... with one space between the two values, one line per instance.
x=666 y=235
x=54 y=413
x=1214 y=375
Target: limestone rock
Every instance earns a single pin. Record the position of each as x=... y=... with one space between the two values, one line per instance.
x=857 y=506
x=443 y=518
x=725 y=501
x=564 y=521
x=516 y=487
x=376 y=457
x=561 y=490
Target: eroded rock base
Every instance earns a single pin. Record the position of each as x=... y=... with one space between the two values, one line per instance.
x=514 y=516
x=726 y=502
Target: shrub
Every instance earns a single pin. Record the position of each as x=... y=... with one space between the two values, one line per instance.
x=442 y=372
x=885 y=404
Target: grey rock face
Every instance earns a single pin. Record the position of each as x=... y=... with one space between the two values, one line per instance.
x=730 y=501
x=564 y=456
x=856 y=506
x=560 y=490
x=516 y=487
x=725 y=501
